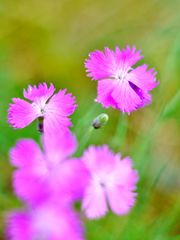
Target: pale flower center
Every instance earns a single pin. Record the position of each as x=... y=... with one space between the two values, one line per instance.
x=104 y=179
x=39 y=107
x=121 y=74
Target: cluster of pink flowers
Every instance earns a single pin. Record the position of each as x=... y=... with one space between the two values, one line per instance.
x=48 y=179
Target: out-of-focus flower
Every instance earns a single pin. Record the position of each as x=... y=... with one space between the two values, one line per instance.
x=54 y=110
x=50 y=173
x=49 y=221
x=119 y=85
x=112 y=181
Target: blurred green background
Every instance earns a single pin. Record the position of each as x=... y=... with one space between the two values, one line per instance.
x=48 y=40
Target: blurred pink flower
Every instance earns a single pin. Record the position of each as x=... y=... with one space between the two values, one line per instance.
x=49 y=221
x=119 y=85
x=51 y=173
x=54 y=109
x=112 y=181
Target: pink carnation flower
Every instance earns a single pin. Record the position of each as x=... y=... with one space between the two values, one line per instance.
x=112 y=182
x=119 y=84
x=54 y=109
x=49 y=173
x=48 y=222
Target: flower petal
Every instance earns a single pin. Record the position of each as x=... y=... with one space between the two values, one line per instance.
x=34 y=93
x=126 y=98
x=26 y=152
x=120 y=199
x=143 y=78
x=52 y=221
x=58 y=109
x=21 y=113
x=94 y=201
x=127 y=57
x=121 y=95
x=62 y=145
x=68 y=179
x=30 y=184
x=100 y=64
x=47 y=221
x=99 y=158
x=105 y=88
x=125 y=175
x=18 y=227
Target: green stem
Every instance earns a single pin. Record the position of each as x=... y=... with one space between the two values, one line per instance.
x=84 y=140
x=117 y=141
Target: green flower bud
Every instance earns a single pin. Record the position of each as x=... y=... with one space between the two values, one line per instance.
x=100 y=120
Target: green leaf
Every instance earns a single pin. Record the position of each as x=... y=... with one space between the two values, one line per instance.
x=172 y=109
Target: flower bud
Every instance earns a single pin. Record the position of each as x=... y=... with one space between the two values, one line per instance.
x=100 y=120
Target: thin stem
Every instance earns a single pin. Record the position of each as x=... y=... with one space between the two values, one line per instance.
x=84 y=140
x=117 y=141
x=86 y=118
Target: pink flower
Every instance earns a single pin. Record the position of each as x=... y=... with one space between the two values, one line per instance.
x=49 y=221
x=54 y=109
x=112 y=182
x=119 y=85
x=51 y=173
x=18 y=226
